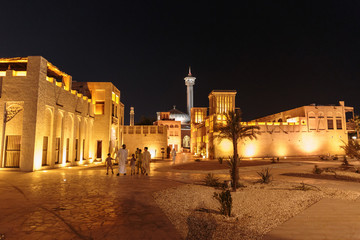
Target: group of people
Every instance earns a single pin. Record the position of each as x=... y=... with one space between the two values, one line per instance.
x=139 y=162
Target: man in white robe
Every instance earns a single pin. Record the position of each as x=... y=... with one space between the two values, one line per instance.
x=146 y=160
x=122 y=156
x=173 y=153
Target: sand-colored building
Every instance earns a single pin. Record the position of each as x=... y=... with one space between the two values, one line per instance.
x=46 y=123
x=303 y=131
x=173 y=129
x=151 y=136
x=108 y=116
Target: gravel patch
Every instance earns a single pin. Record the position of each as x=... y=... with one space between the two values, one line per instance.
x=257 y=209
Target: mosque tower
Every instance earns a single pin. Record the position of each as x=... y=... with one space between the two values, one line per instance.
x=190 y=82
x=132 y=113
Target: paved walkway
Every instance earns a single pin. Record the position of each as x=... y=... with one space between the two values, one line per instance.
x=329 y=219
x=84 y=203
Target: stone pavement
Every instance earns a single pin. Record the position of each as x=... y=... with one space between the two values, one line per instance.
x=82 y=203
x=329 y=219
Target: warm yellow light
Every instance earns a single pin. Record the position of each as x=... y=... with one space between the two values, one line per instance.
x=269 y=123
x=74 y=92
x=250 y=149
x=85 y=98
x=20 y=73
x=113 y=97
x=59 y=84
x=49 y=79
x=79 y=95
x=2 y=73
x=261 y=123
x=309 y=144
x=276 y=123
x=281 y=150
x=226 y=145
x=89 y=100
x=285 y=123
x=117 y=99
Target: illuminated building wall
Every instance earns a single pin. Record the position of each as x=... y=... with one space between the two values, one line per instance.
x=151 y=136
x=108 y=114
x=303 y=131
x=43 y=116
x=173 y=132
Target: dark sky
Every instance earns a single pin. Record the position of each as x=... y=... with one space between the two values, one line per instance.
x=278 y=55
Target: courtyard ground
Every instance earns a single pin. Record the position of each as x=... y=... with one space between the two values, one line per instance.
x=84 y=203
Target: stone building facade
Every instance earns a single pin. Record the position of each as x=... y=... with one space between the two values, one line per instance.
x=44 y=122
x=151 y=136
x=303 y=131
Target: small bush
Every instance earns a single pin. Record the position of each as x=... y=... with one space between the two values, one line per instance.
x=305 y=187
x=211 y=181
x=225 y=201
x=345 y=162
x=317 y=170
x=265 y=175
x=357 y=170
x=197 y=160
x=220 y=159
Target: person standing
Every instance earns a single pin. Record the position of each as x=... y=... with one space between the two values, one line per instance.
x=122 y=155
x=146 y=160
x=108 y=163
x=139 y=162
x=173 y=153
x=132 y=164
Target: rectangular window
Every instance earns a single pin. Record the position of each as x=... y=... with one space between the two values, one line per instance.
x=99 y=108
x=312 y=123
x=338 y=124
x=330 y=124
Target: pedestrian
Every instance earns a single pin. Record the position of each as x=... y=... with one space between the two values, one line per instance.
x=173 y=153
x=132 y=164
x=108 y=163
x=139 y=162
x=146 y=160
x=122 y=155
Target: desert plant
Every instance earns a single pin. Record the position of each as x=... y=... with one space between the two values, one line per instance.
x=352 y=149
x=197 y=160
x=233 y=130
x=357 y=170
x=317 y=170
x=345 y=162
x=211 y=180
x=220 y=159
x=265 y=175
x=225 y=201
x=305 y=187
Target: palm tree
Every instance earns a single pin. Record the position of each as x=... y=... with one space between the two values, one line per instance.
x=235 y=131
x=356 y=123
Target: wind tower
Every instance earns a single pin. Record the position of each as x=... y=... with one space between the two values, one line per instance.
x=190 y=82
x=132 y=113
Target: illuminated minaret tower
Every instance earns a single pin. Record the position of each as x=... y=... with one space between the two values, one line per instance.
x=190 y=82
x=132 y=113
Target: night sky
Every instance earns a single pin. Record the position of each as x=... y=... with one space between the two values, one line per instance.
x=278 y=55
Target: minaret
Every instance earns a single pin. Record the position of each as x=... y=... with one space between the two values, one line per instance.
x=132 y=113
x=190 y=82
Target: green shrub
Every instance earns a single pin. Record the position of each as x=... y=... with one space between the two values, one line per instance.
x=220 y=159
x=211 y=181
x=225 y=201
x=317 y=170
x=265 y=175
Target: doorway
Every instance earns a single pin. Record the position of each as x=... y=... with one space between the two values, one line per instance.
x=99 y=149
x=12 y=151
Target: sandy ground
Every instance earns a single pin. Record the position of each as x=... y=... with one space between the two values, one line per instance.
x=257 y=208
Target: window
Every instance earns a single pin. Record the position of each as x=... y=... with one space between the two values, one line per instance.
x=99 y=107
x=67 y=149
x=171 y=133
x=45 y=150
x=171 y=126
x=330 y=123
x=176 y=133
x=338 y=124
